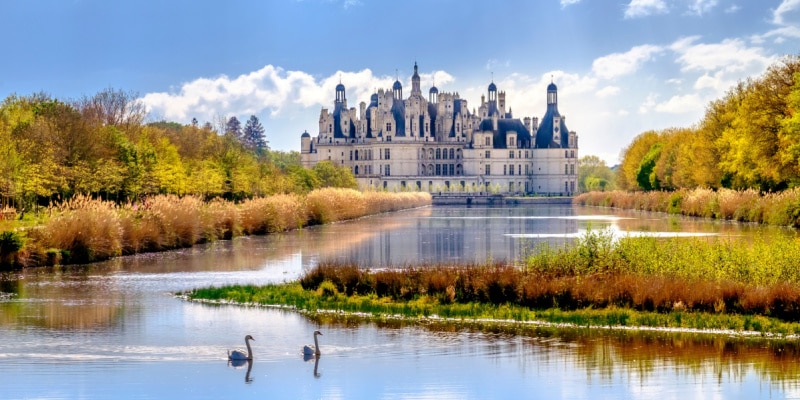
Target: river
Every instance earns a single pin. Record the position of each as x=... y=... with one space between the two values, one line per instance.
x=114 y=330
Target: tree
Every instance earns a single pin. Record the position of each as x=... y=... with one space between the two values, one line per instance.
x=632 y=157
x=253 y=136
x=233 y=127
x=594 y=174
x=332 y=176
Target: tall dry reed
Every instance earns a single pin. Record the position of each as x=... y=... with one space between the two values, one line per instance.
x=83 y=229
x=781 y=208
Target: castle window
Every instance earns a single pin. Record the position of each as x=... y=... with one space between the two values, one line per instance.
x=572 y=153
x=488 y=154
x=444 y=154
x=572 y=169
x=519 y=169
x=388 y=127
x=511 y=169
x=426 y=127
x=452 y=154
x=511 y=154
x=452 y=169
x=488 y=141
x=388 y=170
x=566 y=169
x=488 y=171
x=527 y=171
x=438 y=169
x=438 y=154
x=386 y=154
x=505 y=169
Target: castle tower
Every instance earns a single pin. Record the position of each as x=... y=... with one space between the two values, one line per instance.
x=397 y=89
x=433 y=95
x=340 y=98
x=492 y=99
x=415 y=90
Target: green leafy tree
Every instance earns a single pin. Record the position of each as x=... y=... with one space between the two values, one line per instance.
x=595 y=175
x=335 y=176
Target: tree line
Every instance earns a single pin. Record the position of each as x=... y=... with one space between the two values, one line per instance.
x=748 y=139
x=102 y=145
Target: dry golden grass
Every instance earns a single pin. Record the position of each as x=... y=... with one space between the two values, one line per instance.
x=782 y=208
x=273 y=214
x=506 y=284
x=83 y=229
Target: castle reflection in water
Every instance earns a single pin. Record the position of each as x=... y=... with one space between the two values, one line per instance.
x=443 y=235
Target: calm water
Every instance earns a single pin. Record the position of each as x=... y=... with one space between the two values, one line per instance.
x=113 y=330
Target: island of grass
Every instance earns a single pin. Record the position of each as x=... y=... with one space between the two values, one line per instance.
x=719 y=286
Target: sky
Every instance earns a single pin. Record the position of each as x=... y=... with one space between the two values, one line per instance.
x=622 y=67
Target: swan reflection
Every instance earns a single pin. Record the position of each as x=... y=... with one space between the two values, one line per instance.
x=238 y=364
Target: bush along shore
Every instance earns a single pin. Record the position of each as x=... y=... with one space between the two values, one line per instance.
x=677 y=283
x=83 y=229
x=773 y=208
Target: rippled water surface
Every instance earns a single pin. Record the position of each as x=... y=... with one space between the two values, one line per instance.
x=113 y=329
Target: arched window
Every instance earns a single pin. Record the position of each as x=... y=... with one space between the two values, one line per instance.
x=452 y=153
x=438 y=154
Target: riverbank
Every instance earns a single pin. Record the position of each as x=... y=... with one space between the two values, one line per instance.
x=83 y=229
x=429 y=310
x=778 y=208
x=675 y=283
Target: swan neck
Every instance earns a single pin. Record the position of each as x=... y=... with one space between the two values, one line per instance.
x=316 y=345
x=249 y=350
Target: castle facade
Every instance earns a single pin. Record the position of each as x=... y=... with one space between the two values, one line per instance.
x=438 y=145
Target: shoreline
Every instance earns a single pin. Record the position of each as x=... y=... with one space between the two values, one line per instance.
x=485 y=322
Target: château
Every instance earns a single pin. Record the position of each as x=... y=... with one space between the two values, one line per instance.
x=438 y=145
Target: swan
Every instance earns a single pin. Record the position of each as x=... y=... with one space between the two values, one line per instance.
x=239 y=354
x=308 y=350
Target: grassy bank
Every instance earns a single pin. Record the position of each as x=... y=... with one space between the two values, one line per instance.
x=779 y=208
x=672 y=283
x=83 y=229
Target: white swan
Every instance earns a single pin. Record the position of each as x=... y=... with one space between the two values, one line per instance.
x=239 y=354
x=308 y=350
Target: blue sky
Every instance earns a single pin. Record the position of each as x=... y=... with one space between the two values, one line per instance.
x=622 y=67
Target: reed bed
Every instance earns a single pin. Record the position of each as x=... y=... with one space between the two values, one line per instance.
x=83 y=229
x=640 y=274
x=779 y=208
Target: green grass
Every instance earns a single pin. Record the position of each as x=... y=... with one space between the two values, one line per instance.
x=370 y=306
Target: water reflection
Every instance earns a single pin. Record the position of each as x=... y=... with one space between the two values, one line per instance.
x=92 y=331
x=237 y=364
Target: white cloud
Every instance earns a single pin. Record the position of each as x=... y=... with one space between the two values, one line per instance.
x=622 y=112
x=269 y=89
x=565 y=3
x=619 y=64
x=644 y=8
x=648 y=104
x=730 y=55
x=786 y=18
x=700 y=7
x=688 y=103
x=779 y=15
x=732 y=9
x=607 y=91
x=675 y=81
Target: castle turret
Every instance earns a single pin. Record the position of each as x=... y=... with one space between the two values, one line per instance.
x=415 y=90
